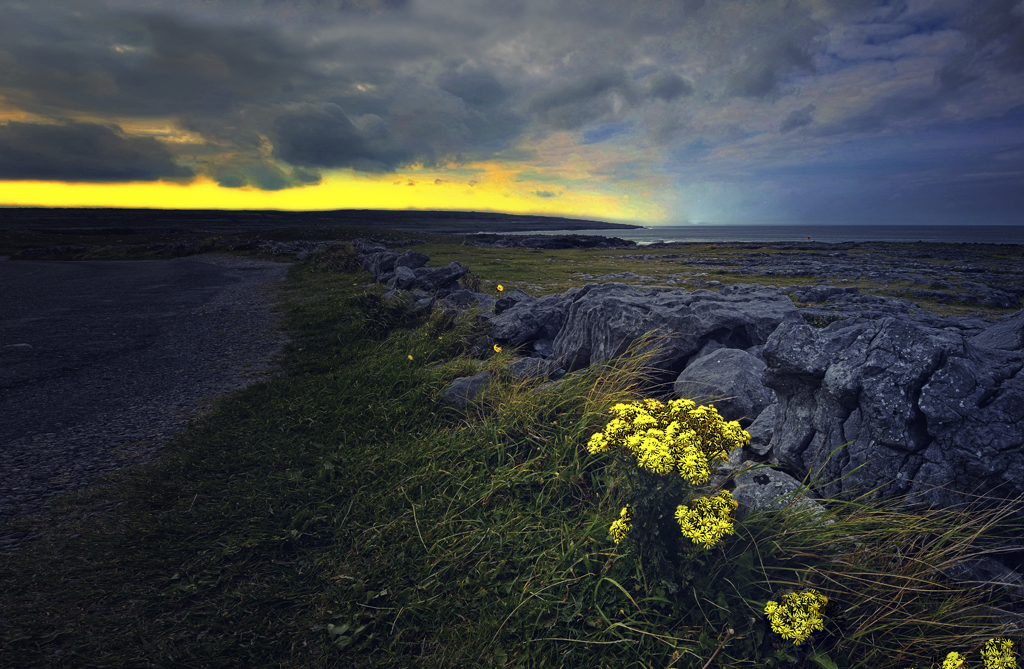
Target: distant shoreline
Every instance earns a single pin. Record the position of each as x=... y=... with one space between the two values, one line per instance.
x=217 y=221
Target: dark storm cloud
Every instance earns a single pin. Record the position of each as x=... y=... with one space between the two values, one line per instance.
x=583 y=99
x=147 y=65
x=766 y=68
x=82 y=152
x=476 y=88
x=670 y=86
x=995 y=35
x=262 y=175
x=326 y=138
x=797 y=119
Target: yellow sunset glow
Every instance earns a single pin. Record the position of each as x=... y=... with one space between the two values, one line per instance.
x=479 y=187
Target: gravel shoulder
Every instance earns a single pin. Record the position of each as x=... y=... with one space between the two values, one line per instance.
x=101 y=363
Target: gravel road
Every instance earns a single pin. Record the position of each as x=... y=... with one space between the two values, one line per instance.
x=102 y=362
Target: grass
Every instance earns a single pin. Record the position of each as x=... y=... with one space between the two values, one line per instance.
x=341 y=515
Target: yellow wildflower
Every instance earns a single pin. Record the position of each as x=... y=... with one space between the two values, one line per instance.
x=798 y=616
x=954 y=661
x=620 y=528
x=680 y=437
x=497 y=349
x=500 y=288
x=410 y=357
x=999 y=653
x=709 y=519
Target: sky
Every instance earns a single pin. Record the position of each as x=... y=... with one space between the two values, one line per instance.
x=660 y=112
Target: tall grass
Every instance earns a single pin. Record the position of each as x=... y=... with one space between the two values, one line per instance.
x=344 y=516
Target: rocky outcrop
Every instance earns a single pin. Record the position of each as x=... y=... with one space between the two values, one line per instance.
x=530 y=322
x=603 y=320
x=874 y=397
x=408 y=271
x=894 y=407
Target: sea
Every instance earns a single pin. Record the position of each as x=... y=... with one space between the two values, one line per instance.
x=949 y=234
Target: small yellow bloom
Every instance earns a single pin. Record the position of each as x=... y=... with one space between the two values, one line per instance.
x=709 y=519
x=999 y=653
x=620 y=528
x=410 y=357
x=799 y=615
x=954 y=661
x=500 y=288
x=497 y=349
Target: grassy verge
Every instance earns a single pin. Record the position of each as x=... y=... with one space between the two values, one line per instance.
x=342 y=516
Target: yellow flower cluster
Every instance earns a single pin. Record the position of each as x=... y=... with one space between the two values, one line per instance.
x=798 y=616
x=954 y=661
x=708 y=519
x=680 y=437
x=620 y=528
x=999 y=654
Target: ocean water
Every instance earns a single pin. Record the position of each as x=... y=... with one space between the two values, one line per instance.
x=955 y=234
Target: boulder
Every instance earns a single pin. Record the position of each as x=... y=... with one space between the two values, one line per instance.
x=603 y=320
x=1007 y=335
x=439 y=280
x=729 y=380
x=411 y=259
x=403 y=278
x=893 y=407
x=464 y=390
x=379 y=263
x=466 y=299
x=506 y=302
x=527 y=320
x=462 y=299
x=762 y=429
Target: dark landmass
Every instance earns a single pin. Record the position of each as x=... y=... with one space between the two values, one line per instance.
x=218 y=222
x=549 y=242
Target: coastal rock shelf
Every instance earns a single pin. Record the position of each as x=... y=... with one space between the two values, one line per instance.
x=867 y=393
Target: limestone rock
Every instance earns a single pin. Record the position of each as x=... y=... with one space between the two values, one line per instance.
x=528 y=320
x=896 y=407
x=603 y=320
x=1007 y=335
x=762 y=429
x=379 y=263
x=506 y=302
x=730 y=375
x=411 y=259
x=464 y=390
x=769 y=489
x=442 y=279
x=463 y=298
